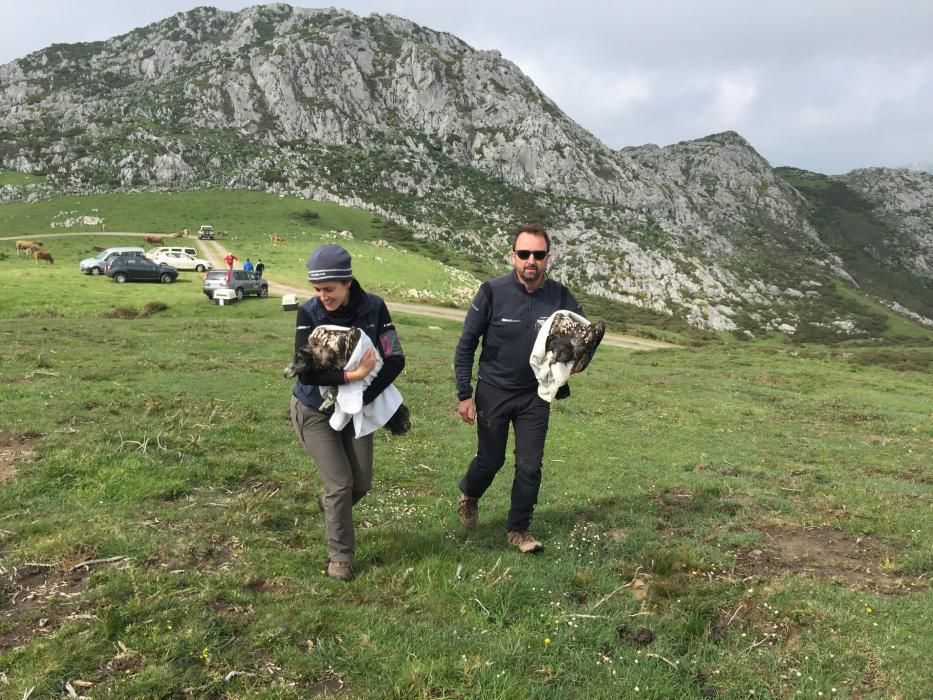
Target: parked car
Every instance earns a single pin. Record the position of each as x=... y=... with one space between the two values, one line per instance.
x=139 y=269
x=240 y=281
x=97 y=264
x=206 y=233
x=187 y=250
x=183 y=261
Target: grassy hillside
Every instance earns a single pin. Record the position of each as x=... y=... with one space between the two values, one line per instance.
x=719 y=522
x=394 y=262
x=381 y=250
x=867 y=245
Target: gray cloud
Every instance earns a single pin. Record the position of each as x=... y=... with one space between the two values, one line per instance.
x=828 y=86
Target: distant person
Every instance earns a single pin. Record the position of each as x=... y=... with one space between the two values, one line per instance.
x=260 y=267
x=507 y=313
x=344 y=461
x=248 y=266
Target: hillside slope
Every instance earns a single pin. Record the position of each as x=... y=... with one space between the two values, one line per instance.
x=417 y=126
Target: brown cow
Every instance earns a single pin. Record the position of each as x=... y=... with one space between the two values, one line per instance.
x=154 y=240
x=44 y=255
x=176 y=234
x=277 y=239
x=24 y=246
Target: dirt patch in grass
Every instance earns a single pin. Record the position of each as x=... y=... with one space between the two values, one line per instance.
x=330 y=684
x=823 y=552
x=37 y=599
x=640 y=637
x=13 y=448
x=758 y=623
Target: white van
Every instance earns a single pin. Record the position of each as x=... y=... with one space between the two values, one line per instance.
x=97 y=264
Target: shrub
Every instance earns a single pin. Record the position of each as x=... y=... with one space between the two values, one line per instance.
x=121 y=312
x=152 y=307
x=308 y=215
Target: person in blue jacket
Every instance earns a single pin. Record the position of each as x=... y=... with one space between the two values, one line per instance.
x=507 y=313
x=344 y=461
x=248 y=266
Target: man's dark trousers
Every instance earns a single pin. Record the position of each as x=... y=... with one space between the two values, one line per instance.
x=496 y=409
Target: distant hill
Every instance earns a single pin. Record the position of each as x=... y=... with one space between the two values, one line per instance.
x=459 y=145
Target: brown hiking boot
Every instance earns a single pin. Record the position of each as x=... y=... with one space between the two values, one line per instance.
x=468 y=510
x=340 y=570
x=524 y=540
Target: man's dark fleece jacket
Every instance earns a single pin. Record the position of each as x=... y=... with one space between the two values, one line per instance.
x=508 y=317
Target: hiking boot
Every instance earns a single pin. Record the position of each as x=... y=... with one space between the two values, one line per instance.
x=340 y=570
x=524 y=540
x=468 y=510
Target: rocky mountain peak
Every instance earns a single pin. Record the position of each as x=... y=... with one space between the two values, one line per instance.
x=414 y=123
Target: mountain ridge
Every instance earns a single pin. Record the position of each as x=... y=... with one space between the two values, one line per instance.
x=456 y=143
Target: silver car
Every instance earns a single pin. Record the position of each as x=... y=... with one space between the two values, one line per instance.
x=242 y=282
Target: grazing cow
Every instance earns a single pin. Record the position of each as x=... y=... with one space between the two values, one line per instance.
x=25 y=246
x=330 y=348
x=154 y=240
x=44 y=255
x=277 y=239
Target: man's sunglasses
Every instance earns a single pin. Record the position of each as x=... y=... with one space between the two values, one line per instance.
x=523 y=254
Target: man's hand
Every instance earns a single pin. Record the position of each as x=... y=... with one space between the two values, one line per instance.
x=367 y=365
x=467 y=411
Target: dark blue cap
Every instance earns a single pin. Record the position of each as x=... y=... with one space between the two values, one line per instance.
x=329 y=262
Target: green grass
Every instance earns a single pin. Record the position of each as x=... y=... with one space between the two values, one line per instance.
x=18 y=179
x=249 y=220
x=677 y=485
x=872 y=250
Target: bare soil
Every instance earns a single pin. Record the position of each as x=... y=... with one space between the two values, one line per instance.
x=37 y=599
x=823 y=552
x=13 y=448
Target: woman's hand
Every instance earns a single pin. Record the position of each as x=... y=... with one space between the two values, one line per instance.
x=367 y=365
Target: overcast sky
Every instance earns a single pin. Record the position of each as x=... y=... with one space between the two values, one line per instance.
x=826 y=85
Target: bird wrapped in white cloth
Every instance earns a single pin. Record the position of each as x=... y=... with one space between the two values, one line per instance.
x=564 y=345
x=338 y=348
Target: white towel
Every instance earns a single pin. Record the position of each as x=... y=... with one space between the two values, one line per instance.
x=349 y=404
x=551 y=375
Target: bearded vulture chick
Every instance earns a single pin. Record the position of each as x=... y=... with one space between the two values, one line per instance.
x=569 y=340
x=331 y=349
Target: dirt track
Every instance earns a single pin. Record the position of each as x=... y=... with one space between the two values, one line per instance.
x=216 y=252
